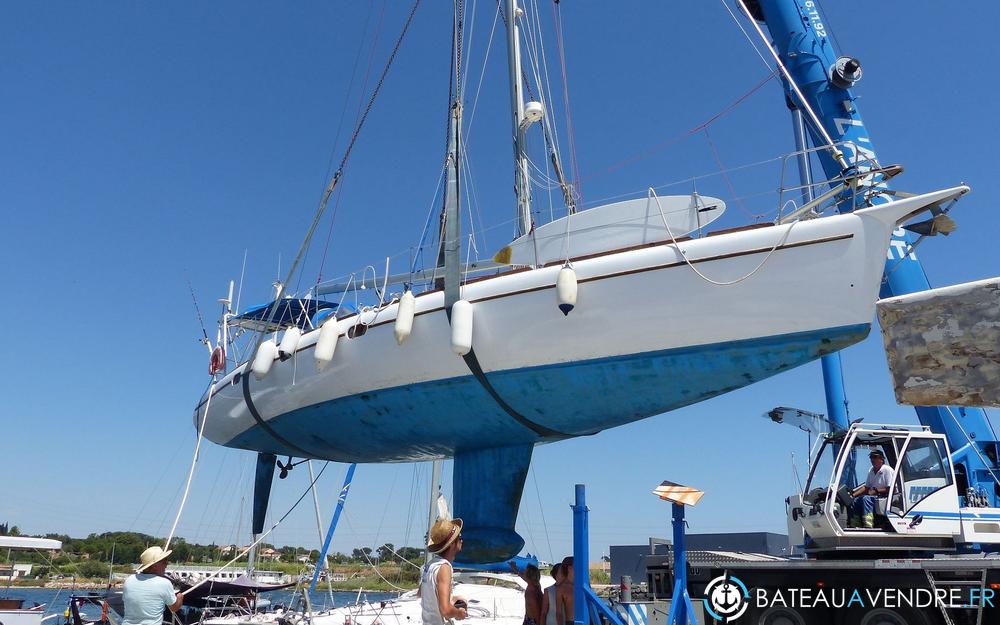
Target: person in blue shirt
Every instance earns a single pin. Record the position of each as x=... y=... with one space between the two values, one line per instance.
x=148 y=593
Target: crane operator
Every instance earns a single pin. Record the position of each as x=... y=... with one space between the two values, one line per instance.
x=866 y=495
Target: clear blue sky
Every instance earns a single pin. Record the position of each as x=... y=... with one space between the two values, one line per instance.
x=146 y=144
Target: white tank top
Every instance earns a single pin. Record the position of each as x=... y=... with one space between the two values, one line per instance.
x=429 y=612
x=550 y=617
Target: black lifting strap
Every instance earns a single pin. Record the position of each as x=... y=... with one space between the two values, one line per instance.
x=472 y=362
x=263 y=424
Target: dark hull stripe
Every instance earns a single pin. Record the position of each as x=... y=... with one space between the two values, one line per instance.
x=472 y=362
x=260 y=421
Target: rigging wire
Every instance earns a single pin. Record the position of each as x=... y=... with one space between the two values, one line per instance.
x=470 y=17
x=535 y=62
x=545 y=526
x=574 y=163
x=739 y=24
x=683 y=135
x=347 y=517
x=548 y=125
x=418 y=257
x=482 y=74
x=264 y=535
x=201 y=320
x=472 y=197
x=168 y=467
x=830 y=29
x=321 y=209
x=340 y=123
x=725 y=176
x=835 y=152
x=219 y=472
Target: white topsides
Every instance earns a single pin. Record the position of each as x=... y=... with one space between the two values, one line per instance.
x=28 y=543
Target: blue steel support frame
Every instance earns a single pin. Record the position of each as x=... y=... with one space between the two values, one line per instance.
x=833 y=373
x=802 y=41
x=588 y=608
x=333 y=525
x=681 y=611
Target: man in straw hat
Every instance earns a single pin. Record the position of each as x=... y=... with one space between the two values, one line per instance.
x=148 y=593
x=436 y=601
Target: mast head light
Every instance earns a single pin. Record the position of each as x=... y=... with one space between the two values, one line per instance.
x=533 y=112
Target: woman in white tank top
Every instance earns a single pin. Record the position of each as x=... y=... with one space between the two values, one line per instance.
x=444 y=541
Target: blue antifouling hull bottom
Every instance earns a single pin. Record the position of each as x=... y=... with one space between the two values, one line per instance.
x=443 y=417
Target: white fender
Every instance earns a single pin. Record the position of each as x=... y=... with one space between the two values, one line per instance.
x=326 y=344
x=289 y=342
x=404 y=317
x=461 y=327
x=262 y=362
x=566 y=289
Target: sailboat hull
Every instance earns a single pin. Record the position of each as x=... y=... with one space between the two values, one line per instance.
x=648 y=335
x=654 y=328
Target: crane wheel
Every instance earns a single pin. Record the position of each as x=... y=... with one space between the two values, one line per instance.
x=781 y=616
x=900 y=616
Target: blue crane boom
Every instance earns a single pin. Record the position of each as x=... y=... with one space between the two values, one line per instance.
x=803 y=43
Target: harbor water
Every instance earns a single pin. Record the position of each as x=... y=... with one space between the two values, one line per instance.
x=56 y=600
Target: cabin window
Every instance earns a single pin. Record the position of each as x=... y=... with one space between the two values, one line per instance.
x=356 y=330
x=924 y=470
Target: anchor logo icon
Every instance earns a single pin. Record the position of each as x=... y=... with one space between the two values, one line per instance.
x=727 y=598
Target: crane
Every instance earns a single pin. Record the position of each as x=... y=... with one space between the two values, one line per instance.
x=818 y=89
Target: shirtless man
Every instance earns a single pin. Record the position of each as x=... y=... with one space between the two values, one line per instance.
x=532 y=594
x=564 y=594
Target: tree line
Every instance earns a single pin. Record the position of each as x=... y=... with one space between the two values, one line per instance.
x=95 y=553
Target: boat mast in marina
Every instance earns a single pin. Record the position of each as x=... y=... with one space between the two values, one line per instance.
x=521 y=180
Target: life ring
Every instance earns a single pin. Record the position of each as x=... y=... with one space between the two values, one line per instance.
x=217 y=363
x=104 y=612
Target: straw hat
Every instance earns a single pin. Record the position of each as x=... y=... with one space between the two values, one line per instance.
x=151 y=556
x=443 y=533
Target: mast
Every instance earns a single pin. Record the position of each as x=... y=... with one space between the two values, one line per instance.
x=521 y=187
x=452 y=216
x=451 y=231
x=432 y=511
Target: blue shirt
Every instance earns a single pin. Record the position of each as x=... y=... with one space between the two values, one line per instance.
x=146 y=596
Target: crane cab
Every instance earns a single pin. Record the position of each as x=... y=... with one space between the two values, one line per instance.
x=922 y=511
